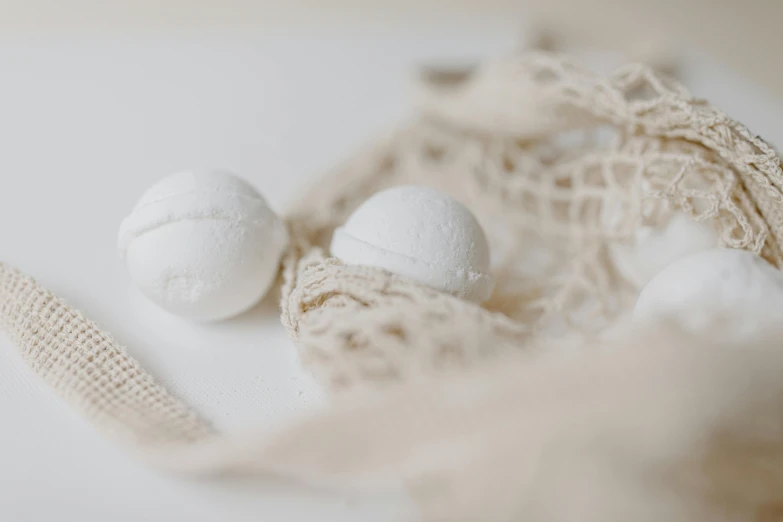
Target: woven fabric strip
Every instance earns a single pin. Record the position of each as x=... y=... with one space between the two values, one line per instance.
x=88 y=369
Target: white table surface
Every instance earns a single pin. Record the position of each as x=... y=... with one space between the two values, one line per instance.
x=87 y=122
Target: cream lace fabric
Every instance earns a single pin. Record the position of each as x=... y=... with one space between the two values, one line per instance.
x=559 y=164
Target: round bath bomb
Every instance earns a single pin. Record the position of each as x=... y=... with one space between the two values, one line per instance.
x=715 y=283
x=653 y=249
x=202 y=245
x=421 y=234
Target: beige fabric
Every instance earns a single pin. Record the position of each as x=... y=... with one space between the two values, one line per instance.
x=556 y=403
x=87 y=368
x=647 y=427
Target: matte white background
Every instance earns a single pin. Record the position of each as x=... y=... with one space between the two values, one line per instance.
x=88 y=121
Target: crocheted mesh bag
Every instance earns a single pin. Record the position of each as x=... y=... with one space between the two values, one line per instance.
x=561 y=166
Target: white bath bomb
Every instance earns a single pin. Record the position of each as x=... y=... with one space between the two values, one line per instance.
x=202 y=245
x=421 y=234
x=653 y=249
x=714 y=284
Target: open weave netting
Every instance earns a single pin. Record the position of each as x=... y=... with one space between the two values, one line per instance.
x=559 y=164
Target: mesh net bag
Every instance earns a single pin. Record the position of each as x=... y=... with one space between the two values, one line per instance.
x=561 y=166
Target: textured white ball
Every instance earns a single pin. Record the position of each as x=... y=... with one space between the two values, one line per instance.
x=202 y=245
x=421 y=234
x=653 y=249
x=715 y=283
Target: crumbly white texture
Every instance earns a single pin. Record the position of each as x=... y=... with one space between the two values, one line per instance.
x=202 y=245
x=421 y=234
x=718 y=283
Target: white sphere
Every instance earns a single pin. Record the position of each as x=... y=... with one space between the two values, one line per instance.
x=203 y=245
x=653 y=249
x=421 y=234
x=719 y=283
